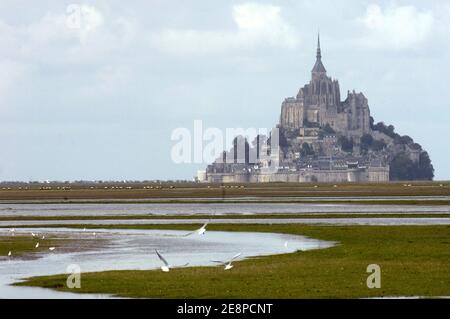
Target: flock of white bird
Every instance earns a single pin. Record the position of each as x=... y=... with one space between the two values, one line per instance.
x=35 y=236
x=201 y=231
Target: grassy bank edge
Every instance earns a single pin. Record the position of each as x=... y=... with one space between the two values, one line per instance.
x=414 y=259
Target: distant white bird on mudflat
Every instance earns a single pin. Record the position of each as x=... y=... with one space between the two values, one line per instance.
x=166 y=266
x=9 y=253
x=200 y=231
x=51 y=248
x=37 y=245
x=227 y=264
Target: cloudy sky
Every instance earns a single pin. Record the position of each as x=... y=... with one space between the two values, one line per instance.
x=93 y=90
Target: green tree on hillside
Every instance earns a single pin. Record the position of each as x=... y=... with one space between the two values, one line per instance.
x=346 y=144
x=402 y=168
x=306 y=150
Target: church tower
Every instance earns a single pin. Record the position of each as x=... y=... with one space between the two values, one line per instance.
x=321 y=96
x=318 y=70
x=316 y=104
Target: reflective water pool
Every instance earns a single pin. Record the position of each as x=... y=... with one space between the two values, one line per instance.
x=135 y=249
x=115 y=209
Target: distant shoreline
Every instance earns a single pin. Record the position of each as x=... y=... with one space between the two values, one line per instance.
x=190 y=192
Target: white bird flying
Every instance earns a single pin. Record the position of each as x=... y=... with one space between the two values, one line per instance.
x=166 y=266
x=227 y=264
x=200 y=231
x=12 y=230
x=51 y=248
x=37 y=245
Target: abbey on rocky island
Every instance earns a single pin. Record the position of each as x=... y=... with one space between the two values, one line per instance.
x=324 y=139
x=319 y=104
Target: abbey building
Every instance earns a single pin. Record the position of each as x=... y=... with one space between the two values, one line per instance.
x=322 y=138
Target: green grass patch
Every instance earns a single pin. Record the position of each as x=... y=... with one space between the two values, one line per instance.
x=226 y=216
x=24 y=245
x=215 y=191
x=414 y=260
x=244 y=201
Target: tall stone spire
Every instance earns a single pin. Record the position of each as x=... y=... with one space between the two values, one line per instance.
x=319 y=53
x=318 y=67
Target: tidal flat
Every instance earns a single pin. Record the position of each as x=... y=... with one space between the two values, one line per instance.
x=402 y=228
x=414 y=261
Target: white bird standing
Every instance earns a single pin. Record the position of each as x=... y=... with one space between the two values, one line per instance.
x=227 y=264
x=37 y=245
x=200 y=231
x=9 y=254
x=166 y=266
x=33 y=234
